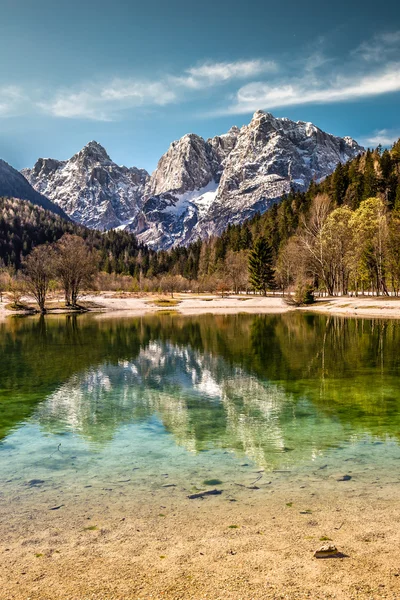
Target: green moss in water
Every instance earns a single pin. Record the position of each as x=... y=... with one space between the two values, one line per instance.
x=325 y=538
x=212 y=482
x=233 y=526
x=90 y=528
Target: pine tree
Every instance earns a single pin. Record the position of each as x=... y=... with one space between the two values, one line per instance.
x=370 y=178
x=260 y=266
x=339 y=183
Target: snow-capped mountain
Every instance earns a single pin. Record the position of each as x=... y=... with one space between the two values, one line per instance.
x=199 y=186
x=90 y=187
x=270 y=156
x=233 y=177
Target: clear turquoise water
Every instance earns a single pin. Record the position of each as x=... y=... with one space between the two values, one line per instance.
x=148 y=402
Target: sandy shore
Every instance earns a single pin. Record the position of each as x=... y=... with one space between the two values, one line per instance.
x=193 y=305
x=108 y=546
x=125 y=304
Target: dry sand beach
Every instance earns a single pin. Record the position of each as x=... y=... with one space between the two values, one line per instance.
x=367 y=306
x=126 y=304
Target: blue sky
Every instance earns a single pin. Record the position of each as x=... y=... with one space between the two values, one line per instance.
x=137 y=75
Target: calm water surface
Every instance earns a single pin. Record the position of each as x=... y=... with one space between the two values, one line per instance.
x=169 y=398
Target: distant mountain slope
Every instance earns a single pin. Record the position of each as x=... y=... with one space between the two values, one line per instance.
x=90 y=187
x=14 y=185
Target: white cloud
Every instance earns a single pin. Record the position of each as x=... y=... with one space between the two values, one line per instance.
x=134 y=92
x=217 y=73
x=384 y=137
x=104 y=102
x=11 y=101
x=306 y=90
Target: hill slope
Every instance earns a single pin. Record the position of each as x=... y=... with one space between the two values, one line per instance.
x=14 y=185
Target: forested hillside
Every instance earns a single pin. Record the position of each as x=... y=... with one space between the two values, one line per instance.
x=24 y=226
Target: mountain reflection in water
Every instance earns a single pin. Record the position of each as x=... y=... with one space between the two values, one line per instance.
x=278 y=389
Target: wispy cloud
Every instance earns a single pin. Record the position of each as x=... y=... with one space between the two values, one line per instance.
x=383 y=46
x=210 y=74
x=104 y=102
x=11 y=101
x=384 y=137
x=306 y=90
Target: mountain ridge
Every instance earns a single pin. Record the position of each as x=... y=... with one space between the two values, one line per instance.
x=199 y=186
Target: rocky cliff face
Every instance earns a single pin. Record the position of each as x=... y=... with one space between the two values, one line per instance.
x=181 y=190
x=199 y=186
x=90 y=187
x=270 y=156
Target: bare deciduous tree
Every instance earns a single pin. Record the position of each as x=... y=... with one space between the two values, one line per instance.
x=4 y=282
x=173 y=283
x=289 y=265
x=75 y=265
x=16 y=287
x=38 y=271
x=236 y=266
x=312 y=240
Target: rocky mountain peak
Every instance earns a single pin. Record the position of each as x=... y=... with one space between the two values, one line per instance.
x=224 y=144
x=44 y=166
x=90 y=187
x=93 y=151
x=270 y=156
x=189 y=164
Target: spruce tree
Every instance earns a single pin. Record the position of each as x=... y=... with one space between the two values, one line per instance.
x=339 y=183
x=260 y=266
x=370 y=178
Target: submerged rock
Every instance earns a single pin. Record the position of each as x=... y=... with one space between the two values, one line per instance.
x=344 y=478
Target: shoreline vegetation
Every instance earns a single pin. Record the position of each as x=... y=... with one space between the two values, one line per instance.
x=133 y=304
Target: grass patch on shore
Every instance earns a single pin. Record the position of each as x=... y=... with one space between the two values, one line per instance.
x=166 y=302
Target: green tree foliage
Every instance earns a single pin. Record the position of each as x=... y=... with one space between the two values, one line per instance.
x=260 y=266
